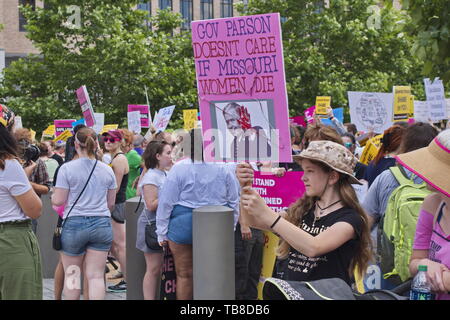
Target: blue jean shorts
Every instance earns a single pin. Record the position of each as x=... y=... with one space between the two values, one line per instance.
x=82 y=233
x=180 y=225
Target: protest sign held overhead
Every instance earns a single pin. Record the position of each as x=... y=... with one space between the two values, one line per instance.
x=162 y=118
x=134 y=121
x=63 y=136
x=242 y=88
x=190 y=117
x=49 y=132
x=371 y=110
x=108 y=127
x=298 y=120
x=322 y=105
x=63 y=125
x=86 y=106
x=402 y=95
x=81 y=121
x=18 y=122
x=309 y=114
x=421 y=112
x=436 y=99
x=338 y=113
x=99 y=122
x=144 y=112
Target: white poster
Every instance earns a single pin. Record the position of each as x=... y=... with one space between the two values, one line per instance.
x=434 y=92
x=99 y=122
x=448 y=107
x=421 y=112
x=134 y=121
x=371 y=110
x=162 y=118
x=17 y=122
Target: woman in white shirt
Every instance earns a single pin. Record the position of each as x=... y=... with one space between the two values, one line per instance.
x=157 y=156
x=20 y=261
x=87 y=232
x=190 y=184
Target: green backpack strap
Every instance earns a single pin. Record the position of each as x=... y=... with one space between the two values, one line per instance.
x=400 y=176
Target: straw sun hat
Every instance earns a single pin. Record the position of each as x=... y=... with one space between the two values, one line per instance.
x=431 y=163
x=333 y=154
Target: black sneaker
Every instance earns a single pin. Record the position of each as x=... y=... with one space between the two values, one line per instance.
x=120 y=287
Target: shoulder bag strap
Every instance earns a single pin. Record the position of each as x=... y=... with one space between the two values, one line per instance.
x=79 y=196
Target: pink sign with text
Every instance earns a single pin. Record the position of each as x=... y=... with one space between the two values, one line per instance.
x=144 y=111
x=63 y=125
x=86 y=106
x=279 y=193
x=309 y=114
x=298 y=120
x=242 y=88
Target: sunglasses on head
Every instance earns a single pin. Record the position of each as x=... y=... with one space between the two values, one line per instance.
x=111 y=139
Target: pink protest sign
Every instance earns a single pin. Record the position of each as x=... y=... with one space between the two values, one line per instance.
x=62 y=125
x=86 y=106
x=242 y=88
x=298 y=120
x=144 y=111
x=279 y=193
x=309 y=114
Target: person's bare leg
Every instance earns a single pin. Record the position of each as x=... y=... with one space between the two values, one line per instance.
x=58 y=277
x=94 y=273
x=154 y=263
x=118 y=246
x=182 y=255
x=85 y=283
x=72 y=276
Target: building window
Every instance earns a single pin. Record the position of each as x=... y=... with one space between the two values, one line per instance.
x=22 y=20
x=226 y=8
x=147 y=7
x=186 y=13
x=164 y=4
x=206 y=9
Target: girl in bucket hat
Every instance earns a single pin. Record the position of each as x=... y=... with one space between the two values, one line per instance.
x=324 y=233
x=432 y=240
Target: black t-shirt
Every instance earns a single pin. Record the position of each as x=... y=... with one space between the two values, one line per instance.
x=334 y=264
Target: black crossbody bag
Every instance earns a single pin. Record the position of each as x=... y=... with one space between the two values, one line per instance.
x=59 y=226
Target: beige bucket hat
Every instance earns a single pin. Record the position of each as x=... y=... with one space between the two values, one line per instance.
x=334 y=155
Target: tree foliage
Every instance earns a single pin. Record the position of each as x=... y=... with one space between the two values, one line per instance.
x=347 y=45
x=111 y=51
x=430 y=27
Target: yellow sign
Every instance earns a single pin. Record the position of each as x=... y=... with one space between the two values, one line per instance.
x=322 y=104
x=268 y=261
x=63 y=136
x=108 y=127
x=190 y=119
x=371 y=149
x=50 y=131
x=401 y=102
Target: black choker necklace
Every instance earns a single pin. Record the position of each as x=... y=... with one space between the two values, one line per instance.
x=323 y=209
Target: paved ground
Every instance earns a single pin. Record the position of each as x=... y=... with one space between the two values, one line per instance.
x=49 y=291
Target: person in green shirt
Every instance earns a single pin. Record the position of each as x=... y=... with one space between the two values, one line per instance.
x=134 y=162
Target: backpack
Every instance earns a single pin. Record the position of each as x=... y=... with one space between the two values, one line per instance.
x=397 y=227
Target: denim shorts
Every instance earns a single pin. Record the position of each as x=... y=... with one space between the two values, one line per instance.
x=81 y=233
x=180 y=225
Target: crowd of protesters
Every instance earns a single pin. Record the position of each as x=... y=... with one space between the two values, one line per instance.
x=92 y=176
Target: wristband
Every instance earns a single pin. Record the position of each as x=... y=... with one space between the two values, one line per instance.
x=276 y=221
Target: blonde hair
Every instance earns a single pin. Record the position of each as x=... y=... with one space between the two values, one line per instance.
x=297 y=211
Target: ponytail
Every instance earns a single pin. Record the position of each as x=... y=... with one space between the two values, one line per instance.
x=86 y=138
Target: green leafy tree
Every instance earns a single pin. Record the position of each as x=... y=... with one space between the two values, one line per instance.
x=344 y=45
x=107 y=46
x=430 y=27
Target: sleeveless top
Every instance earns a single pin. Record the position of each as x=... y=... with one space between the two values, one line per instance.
x=121 y=194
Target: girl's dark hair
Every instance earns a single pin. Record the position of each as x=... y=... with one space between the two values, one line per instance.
x=419 y=135
x=149 y=156
x=44 y=149
x=196 y=145
x=351 y=128
x=297 y=210
x=392 y=138
x=8 y=146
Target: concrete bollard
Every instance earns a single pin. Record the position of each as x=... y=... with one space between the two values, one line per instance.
x=213 y=253
x=135 y=258
x=45 y=228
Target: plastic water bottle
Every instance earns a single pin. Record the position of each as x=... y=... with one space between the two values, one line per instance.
x=420 y=288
